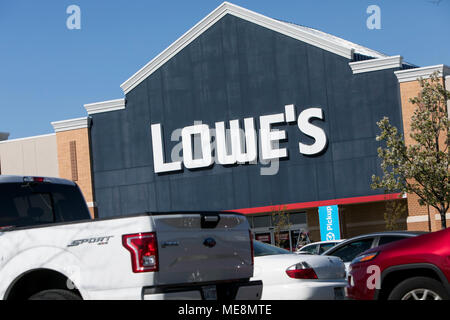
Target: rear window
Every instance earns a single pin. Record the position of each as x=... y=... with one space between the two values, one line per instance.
x=389 y=239
x=23 y=205
x=264 y=249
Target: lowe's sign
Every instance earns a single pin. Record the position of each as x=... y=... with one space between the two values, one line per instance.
x=329 y=223
x=236 y=145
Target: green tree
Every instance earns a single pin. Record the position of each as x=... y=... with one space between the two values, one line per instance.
x=280 y=221
x=422 y=167
x=394 y=210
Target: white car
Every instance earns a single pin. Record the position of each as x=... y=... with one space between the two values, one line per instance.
x=290 y=276
x=318 y=247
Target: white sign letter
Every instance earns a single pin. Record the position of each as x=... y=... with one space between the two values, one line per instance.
x=311 y=130
x=241 y=150
x=221 y=145
x=188 y=159
x=251 y=152
x=158 y=152
x=267 y=136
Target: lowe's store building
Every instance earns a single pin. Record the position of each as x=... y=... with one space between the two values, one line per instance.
x=243 y=113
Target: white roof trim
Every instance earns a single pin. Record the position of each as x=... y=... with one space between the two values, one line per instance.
x=27 y=138
x=71 y=124
x=348 y=44
x=424 y=72
x=105 y=106
x=228 y=8
x=376 y=64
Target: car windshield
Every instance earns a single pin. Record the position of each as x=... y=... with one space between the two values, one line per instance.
x=350 y=250
x=309 y=249
x=325 y=246
x=264 y=249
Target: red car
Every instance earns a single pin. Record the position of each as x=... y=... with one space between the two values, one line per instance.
x=411 y=269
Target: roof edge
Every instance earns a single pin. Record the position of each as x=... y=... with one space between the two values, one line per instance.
x=71 y=124
x=105 y=106
x=376 y=64
x=424 y=73
x=211 y=19
x=27 y=138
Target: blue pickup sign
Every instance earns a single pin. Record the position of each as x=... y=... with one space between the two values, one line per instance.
x=329 y=223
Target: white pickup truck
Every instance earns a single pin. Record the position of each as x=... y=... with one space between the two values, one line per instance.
x=51 y=249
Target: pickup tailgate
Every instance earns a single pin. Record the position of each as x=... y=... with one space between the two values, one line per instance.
x=202 y=247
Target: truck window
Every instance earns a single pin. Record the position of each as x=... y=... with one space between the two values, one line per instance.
x=34 y=208
x=24 y=204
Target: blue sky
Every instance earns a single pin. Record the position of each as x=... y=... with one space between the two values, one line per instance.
x=47 y=72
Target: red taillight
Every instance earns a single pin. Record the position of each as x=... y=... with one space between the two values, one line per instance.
x=251 y=246
x=301 y=270
x=144 y=251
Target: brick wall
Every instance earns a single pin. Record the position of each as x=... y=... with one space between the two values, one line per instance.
x=368 y=217
x=75 y=161
x=418 y=216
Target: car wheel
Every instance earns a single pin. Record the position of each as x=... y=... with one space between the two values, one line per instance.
x=55 y=294
x=419 y=288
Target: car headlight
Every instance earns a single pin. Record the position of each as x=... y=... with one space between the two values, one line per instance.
x=365 y=257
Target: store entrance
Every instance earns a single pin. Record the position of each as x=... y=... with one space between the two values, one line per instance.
x=288 y=238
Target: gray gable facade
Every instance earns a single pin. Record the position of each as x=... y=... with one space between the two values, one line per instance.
x=234 y=70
